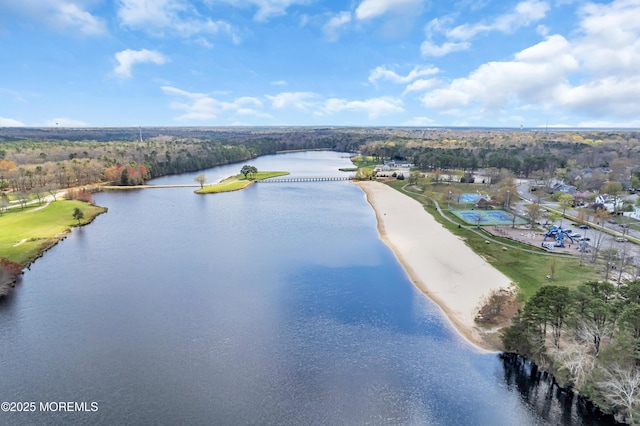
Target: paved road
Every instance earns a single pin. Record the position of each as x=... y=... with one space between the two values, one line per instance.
x=630 y=249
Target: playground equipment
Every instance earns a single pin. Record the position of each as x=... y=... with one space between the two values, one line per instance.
x=558 y=235
x=583 y=247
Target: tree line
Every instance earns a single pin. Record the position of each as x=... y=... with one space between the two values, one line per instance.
x=589 y=337
x=36 y=166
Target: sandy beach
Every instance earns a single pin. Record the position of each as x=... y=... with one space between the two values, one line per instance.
x=439 y=263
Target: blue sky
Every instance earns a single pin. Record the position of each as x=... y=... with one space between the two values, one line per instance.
x=494 y=63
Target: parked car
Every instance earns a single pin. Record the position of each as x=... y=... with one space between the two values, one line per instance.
x=585 y=239
x=576 y=235
x=621 y=240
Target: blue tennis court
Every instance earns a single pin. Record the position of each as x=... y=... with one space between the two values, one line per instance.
x=499 y=216
x=472 y=217
x=469 y=198
x=488 y=217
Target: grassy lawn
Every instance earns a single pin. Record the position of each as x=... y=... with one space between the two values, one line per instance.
x=364 y=161
x=237 y=182
x=40 y=228
x=528 y=270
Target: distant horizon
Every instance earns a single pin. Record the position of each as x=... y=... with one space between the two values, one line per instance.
x=318 y=126
x=561 y=64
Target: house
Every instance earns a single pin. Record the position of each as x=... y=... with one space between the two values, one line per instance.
x=561 y=187
x=608 y=202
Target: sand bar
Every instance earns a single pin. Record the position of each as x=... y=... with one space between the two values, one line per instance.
x=439 y=263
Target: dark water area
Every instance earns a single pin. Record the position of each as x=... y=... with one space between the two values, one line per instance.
x=277 y=304
x=552 y=402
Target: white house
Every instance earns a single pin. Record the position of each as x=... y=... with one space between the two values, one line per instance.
x=608 y=202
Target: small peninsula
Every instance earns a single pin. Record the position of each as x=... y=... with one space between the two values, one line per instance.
x=238 y=182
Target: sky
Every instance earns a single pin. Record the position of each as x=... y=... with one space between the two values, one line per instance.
x=478 y=63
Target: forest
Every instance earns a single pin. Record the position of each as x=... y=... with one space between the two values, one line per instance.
x=589 y=337
x=36 y=160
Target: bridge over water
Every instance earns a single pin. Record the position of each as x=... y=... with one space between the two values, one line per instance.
x=271 y=180
x=305 y=179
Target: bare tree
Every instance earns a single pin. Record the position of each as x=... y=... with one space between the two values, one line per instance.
x=621 y=388
x=576 y=359
x=592 y=331
x=201 y=179
x=601 y=219
x=533 y=212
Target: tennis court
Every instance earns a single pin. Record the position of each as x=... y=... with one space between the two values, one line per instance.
x=488 y=217
x=469 y=198
x=472 y=217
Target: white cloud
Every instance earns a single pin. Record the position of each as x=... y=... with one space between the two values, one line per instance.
x=128 y=58
x=333 y=27
x=524 y=14
x=610 y=38
x=608 y=47
x=375 y=107
x=383 y=73
x=64 y=15
x=267 y=8
x=279 y=83
x=179 y=17
x=10 y=122
x=536 y=75
x=65 y=122
x=457 y=38
x=422 y=85
x=369 y=9
x=428 y=48
x=298 y=100
x=71 y=16
x=605 y=96
x=592 y=74
x=202 y=107
x=543 y=30
x=313 y=103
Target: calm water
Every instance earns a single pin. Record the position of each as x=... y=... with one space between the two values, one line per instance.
x=273 y=305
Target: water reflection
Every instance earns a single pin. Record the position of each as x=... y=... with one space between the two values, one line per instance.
x=278 y=304
x=553 y=403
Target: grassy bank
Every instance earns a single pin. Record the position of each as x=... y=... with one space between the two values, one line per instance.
x=237 y=182
x=26 y=234
x=528 y=270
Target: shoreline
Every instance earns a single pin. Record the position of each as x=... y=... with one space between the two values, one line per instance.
x=47 y=242
x=439 y=264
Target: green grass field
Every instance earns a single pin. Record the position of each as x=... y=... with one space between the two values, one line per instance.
x=528 y=270
x=364 y=161
x=237 y=182
x=41 y=228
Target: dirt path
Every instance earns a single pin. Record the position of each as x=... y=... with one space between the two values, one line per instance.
x=20 y=242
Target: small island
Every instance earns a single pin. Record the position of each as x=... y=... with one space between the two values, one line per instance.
x=248 y=175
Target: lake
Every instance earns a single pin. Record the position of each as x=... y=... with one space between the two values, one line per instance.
x=277 y=304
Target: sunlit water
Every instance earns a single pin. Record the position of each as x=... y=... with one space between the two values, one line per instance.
x=277 y=304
